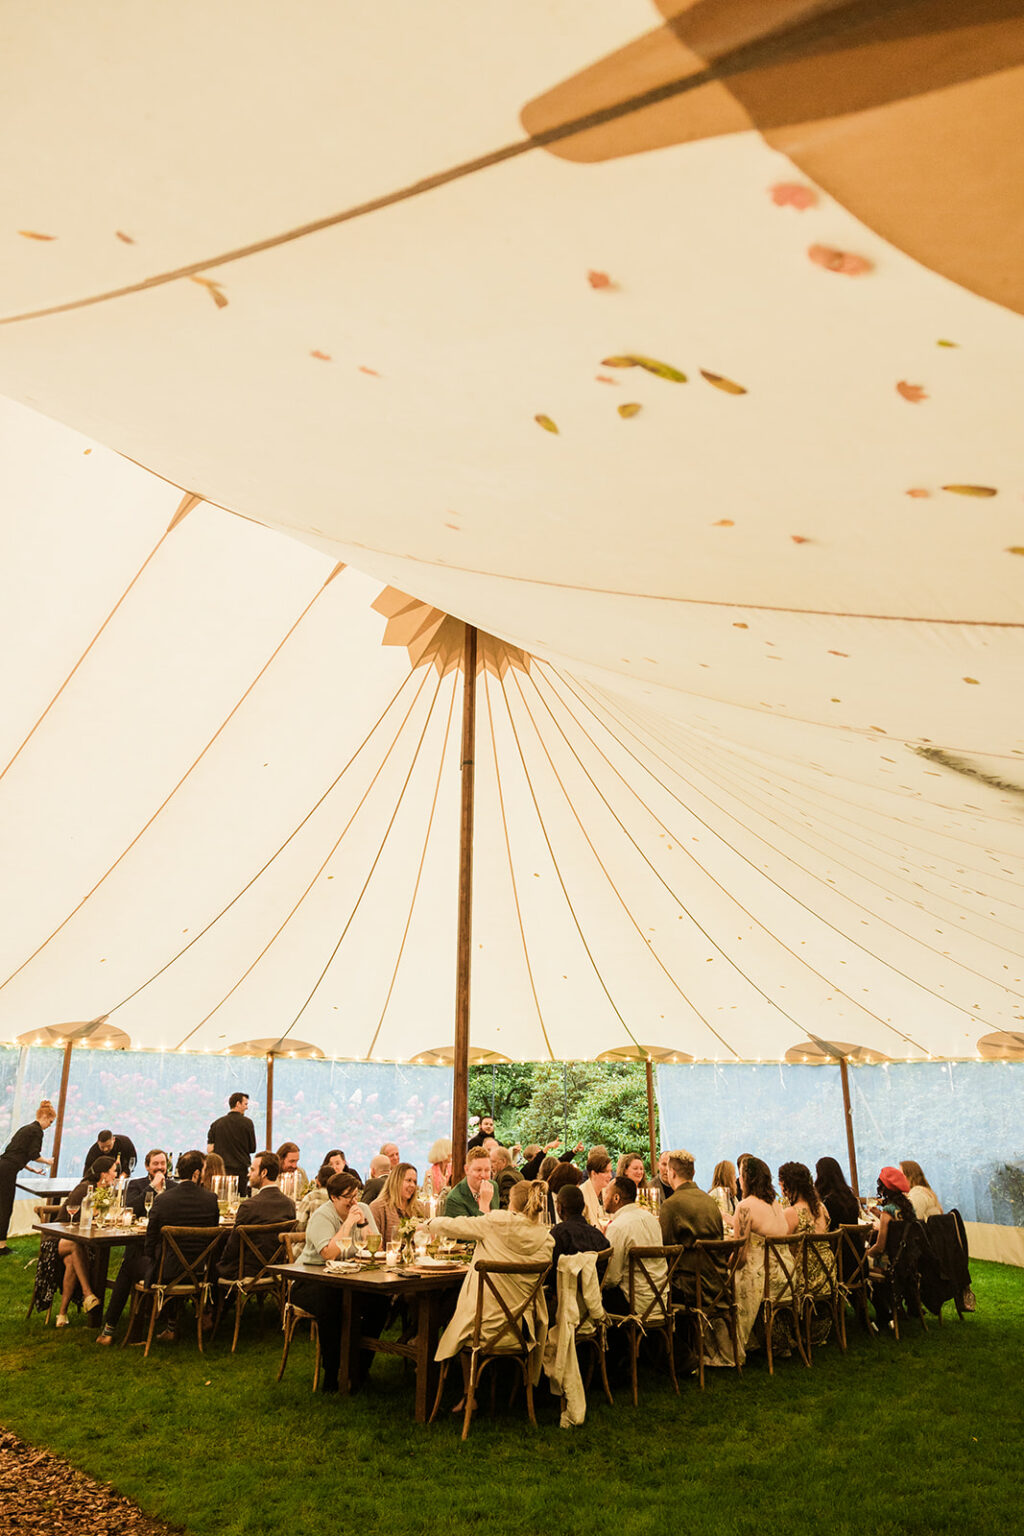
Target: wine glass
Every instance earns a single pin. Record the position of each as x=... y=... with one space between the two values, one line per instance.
x=72 y=1211
x=148 y=1201
x=373 y=1243
x=359 y=1243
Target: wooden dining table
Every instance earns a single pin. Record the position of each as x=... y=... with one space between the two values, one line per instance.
x=423 y=1289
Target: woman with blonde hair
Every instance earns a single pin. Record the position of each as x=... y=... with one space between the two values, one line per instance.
x=439 y=1171
x=24 y=1147
x=518 y=1235
x=920 y=1194
x=397 y=1201
x=723 y=1189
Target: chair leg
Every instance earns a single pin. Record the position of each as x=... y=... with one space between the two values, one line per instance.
x=153 y=1313
x=440 y=1390
x=314 y=1337
x=240 y=1301
x=529 y=1393
x=634 y=1350
x=603 y=1367
x=669 y=1336
x=289 y=1324
x=768 y=1320
x=470 y=1397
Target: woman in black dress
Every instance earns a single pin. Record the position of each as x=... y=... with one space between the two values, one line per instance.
x=24 y=1147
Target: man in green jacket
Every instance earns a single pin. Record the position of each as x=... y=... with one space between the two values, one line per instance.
x=476 y=1194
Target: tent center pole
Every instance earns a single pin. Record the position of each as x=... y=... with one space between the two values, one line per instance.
x=848 y=1117
x=460 y=1082
x=650 y=1117
x=58 y=1129
x=270 y=1101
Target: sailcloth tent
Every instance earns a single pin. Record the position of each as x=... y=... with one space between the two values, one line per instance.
x=677 y=350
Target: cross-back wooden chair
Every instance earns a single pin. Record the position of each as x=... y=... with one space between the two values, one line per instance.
x=259 y=1246
x=657 y=1313
x=783 y=1291
x=821 y=1285
x=183 y=1269
x=510 y=1332
x=292 y=1314
x=853 y=1272
x=717 y=1259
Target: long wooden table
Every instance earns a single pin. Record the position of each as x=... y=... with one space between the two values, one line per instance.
x=99 y=1240
x=423 y=1290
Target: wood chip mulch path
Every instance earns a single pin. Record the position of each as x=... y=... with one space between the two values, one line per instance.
x=41 y=1493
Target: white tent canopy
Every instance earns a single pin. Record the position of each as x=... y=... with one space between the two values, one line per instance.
x=749 y=757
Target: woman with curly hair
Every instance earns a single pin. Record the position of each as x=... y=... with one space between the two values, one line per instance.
x=758 y=1216
x=805 y=1210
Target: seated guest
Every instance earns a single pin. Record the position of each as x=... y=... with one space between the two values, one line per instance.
x=336 y=1158
x=840 y=1201
x=599 y=1173
x=631 y=1166
x=102 y=1174
x=563 y=1175
x=288 y=1157
x=920 y=1194
x=503 y=1173
x=476 y=1193
x=316 y=1194
x=895 y=1207
x=380 y=1167
x=630 y=1226
x=723 y=1189
x=805 y=1210
x=661 y=1181
x=439 y=1171
x=266 y=1205
x=154 y=1181
x=535 y=1156
x=686 y=1217
x=329 y=1235
x=185 y=1204
x=119 y=1147
x=759 y=1215
x=391 y=1152
x=396 y=1202
x=516 y=1236
x=213 y=1168
x=546 y=1169
x=572 y=1232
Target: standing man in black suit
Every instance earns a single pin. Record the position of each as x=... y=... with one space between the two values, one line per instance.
x=121 y=1148
x=233 y=1137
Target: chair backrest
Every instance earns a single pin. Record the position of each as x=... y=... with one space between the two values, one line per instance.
x=293 y=1244
x=821 y=1262
x=259 y=1244
x=642 y=1261
x=854 y=1241
x=48 y=1213
x=520 y=1305
x=783 y=1270
x=186 y=1254
x=717 y=1258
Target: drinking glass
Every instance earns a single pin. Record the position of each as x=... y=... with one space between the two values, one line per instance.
x=421 y=1237
x=394 y=1252
x=359 y=1242
x=373 y=1243
x=73 y=1213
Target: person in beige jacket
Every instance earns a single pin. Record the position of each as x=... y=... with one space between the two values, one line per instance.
x=515 y=1236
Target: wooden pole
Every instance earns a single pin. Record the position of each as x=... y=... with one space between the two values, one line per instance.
x=650 y=1118
x=270 y=1102
x=848 y=1117
x=58 y=1129
x=460 y=1083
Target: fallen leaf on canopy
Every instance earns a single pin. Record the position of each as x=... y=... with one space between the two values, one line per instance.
x=970 y=680
x=724 y=522
x=918 y=490
x=631 y=408
x=324 y=357
x=839 y=653
x=793 y=194
x=800 y=538
x=728 y=385
x=546 y=423
x=737 y=625
x=635 y=360
x=971 y=490
x=915 y=393
x=600 y=280
x=602 y=378
x=122 y=236
x=215 y=291
x=371 y=371
x=1015 y=549
x=33 y=234
x=833 y=260
x=943 y=343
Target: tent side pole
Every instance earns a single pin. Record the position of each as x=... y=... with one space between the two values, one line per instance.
x=460 y=1082
x=269 y=1143
x=58 y=1129
x=650 y=1117
x=848 y=1117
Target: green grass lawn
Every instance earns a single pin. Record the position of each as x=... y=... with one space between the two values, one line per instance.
x=921 y=1436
